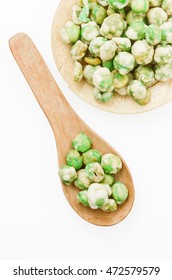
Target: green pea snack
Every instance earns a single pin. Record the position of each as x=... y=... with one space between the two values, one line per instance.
x=111 y=39
x=93 y=175
x=119 y=192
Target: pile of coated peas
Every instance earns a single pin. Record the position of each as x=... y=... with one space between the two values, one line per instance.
x=93 y=173
x=121 y=46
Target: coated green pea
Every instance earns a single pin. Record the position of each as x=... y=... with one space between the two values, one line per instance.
x=98 y=14
x=119 y=192
x=81 y=143
x=74 y=159
x=83 y=198
x=111 y=163
x=92 y=155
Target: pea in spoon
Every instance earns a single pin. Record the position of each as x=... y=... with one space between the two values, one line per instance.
x=66 y=124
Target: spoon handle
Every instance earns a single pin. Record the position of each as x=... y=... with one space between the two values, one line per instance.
x=43 y=85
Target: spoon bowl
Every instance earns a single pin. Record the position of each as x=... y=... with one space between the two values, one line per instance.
x=66 y=124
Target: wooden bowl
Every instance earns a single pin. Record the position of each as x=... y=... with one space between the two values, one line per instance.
x=161 y=92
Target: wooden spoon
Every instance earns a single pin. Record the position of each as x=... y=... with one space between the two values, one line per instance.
x=66 y=124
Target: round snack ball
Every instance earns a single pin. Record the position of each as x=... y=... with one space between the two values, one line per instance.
x=155 y=3
x=120 y=81
x=111 y=163
x=123 y=44
x=108 y=179
x=89 y=72
x=98 y=14
x=124 y=62
x=118 y=4
x=153 y=34
x=145 y=74
x=167 y=6
x=74 y=159
x=78 y=50
x=119 y=192
x=111 y=205
x=163 y=73
x=83 y=198
x=78 y=71
x=82 y=182
x=89 y=31
x=136 y=89
x=95 y=45
x=103 y=96
x=103 y=79
x=91 y=155
x=140 y=6
x=67 y=174
x=136 y=31
x=142 y=52
x=98 y=195
x=157 y=16
x=163 y=54
x=92 y=60
x=132 y=17
x=145 y=100
x=107 y=50
x=81 y=143
x=70 y=33
x=166 y=32
x=94 y=172
x=112 y=26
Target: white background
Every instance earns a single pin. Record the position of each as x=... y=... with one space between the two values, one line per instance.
x=36 y=222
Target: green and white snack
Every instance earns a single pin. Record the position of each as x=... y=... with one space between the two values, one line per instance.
x=91 y=155
x=81 y=143
x=95 y=45
x=163 y=73
x=108 y=179
x=112 y=26
x=98 y=195
x=67 y=174
x=83 y=198
x=111 y=163
x=139 y=6
x=91 y=173
x=123 y=44
x=163 y=54
x=120 y=81
x=166 y=32
x=107 y=50
x=78 y=50
x=119 y=192
x=167 y=6
x=112 y=39
x=70 y=33
x=157 y=16
x=94 y=172
x=74 y=159
x=103 y=80
x=138 y=91
x=89 y=31
x=153 y=34
x=82 y=181
x=103 y=96
x=118 y=4
x=89 y=72
x=142 y=52
x=136 y=31
x=124 y=62
x=131 y=17
x=111 y=205
x=98 y=14
x=78 y=71
x=145 y=74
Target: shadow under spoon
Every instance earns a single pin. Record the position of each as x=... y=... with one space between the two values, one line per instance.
x=66 y=124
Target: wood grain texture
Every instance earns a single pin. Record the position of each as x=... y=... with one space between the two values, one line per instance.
x=161 y=92
x=66 y=124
